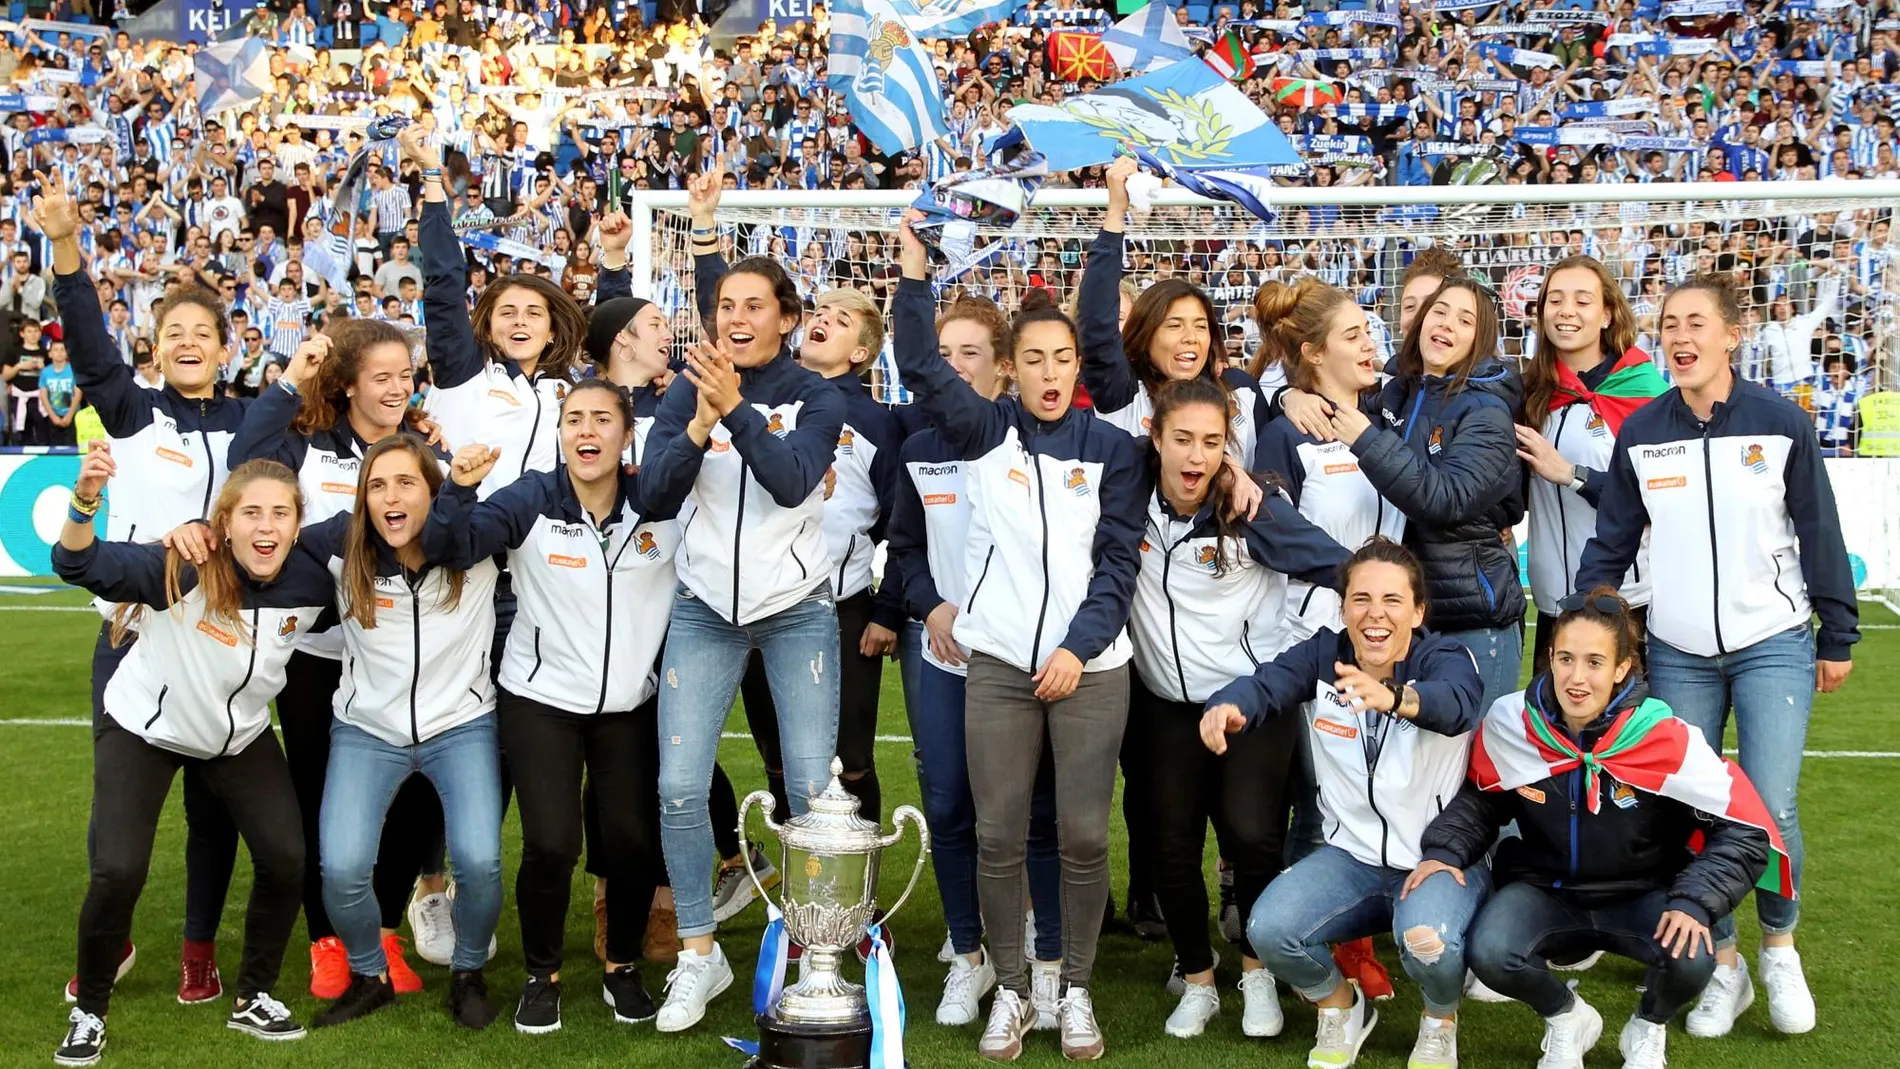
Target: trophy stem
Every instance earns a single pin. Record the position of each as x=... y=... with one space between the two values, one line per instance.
x=822 y=994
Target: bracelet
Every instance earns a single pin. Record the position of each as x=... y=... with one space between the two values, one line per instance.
x=705 y=231
x=432 y=172
x=80 y=504
x=289 y=386
x=83 y=519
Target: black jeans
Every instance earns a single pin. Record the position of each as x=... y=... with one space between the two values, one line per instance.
x=131 y=778
x=1188 y=787
x=1522 y=926
x=860 y=679
x=210 y=836
x=412 y=832
x=722 y=807
x=619 y=753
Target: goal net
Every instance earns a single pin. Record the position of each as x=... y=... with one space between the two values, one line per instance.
x=1816 y=263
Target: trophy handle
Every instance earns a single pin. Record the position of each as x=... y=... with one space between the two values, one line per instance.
x=765 y=802
x=907 y=813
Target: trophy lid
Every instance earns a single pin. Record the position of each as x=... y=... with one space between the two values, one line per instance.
x=831 y=823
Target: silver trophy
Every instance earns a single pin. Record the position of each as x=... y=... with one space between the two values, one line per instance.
x=828 y=865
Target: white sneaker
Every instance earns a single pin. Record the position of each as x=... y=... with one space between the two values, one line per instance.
x=947 y=953
x=1790 y=1003
x=1178 y=983
x=964 y=988
x=1728 y=996
x=1477 y=991
x=1341 y=1033
x=1570 y=1035
x=432 y=925
x=1643 y=1044
x=1260 y=1014
x=695 y=980
x=1081 y=1036
x=1436 y=1046
x=1010 y=1018
x=1583 y=965
x=1045 y=990
x=1199 y=1004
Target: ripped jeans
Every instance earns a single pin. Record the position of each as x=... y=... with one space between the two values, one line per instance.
x=1329 y=896
x=700 y=670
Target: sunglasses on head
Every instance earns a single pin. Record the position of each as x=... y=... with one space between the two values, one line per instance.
x=1607 y=604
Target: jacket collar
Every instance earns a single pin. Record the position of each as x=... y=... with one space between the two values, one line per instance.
x=570 y=503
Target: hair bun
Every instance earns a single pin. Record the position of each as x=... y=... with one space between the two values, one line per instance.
x=1037 y=297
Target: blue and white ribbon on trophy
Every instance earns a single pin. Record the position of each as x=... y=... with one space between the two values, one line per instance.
x=768 y=979
x=887 y=1004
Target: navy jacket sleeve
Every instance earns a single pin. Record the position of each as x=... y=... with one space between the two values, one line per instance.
x=1824 y=563
x=1283 y=684
x=1594 y=484
x=789 y=468
x=672 y=461
x=326 y=540
x=1715 y=881
x=1449 y=690
x=1278 y=453
x=123 y=406
x=1105 y=369
x=708 y=269
x=462 y=531
x=908 y=554
x=454 y=357
x=1476 y=469
x=1621 y=520
x=1466 y=829
x=1111 y=591
x=887 y=605
x=119 y=571
x=266 y=431
x=611 y=283
x=967 y=421
x=1282 y=539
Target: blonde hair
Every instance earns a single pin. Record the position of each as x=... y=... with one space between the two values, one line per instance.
x=1292 y=315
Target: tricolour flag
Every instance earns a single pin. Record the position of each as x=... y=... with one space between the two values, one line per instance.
x=1647 y=748
x=1184 y=114
x=886 y=76
x=1631 y=384
x=1147 y=40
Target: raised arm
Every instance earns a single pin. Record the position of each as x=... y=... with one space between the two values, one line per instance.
x=615 y=280
x=702 y=203
x=266 y=431
x=1105 y=369
x=1463 y=482
x=965 y=418
x=461 y=531
x=1285 y=541
x=454 y=355
x=117 y=571
x=97 y=366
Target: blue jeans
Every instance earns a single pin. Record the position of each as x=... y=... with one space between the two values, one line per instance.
x=705 y=658
x=1770 y=685
x=364 y=774
x=951 y=813
x=1333 y=897
x=1499 y=652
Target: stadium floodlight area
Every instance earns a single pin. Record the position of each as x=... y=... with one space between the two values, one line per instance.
x=1823 y=245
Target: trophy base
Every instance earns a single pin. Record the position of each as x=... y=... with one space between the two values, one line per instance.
x=791 y=1045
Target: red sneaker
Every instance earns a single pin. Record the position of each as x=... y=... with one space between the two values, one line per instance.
x=198 y=974
x=126 y=957
x=401 y=976
x=329 y=968
x=1358 y=961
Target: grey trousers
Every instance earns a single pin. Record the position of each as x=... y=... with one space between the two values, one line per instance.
x=1006 y=725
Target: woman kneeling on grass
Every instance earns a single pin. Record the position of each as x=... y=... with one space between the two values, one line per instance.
x=1583 y=876
x=195 y=691
x=1391 y=707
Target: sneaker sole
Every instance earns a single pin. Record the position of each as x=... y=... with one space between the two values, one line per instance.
x=258 y=1033
x=212 y=997
x=621 y=1018
x=537 y=1029
x=1263 y=1033
x=1579 y=966
x=94 y=1060
x=1085 y=1054
x=724 y=982
x=1748 y=999
x=1352 y=1056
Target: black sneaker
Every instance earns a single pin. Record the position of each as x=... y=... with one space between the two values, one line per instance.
x=84 y=1039
x=539 y=1011
x=1144 y=913
x=265 y=1018
x=364 y=996
x=469 y=1003
x=623 y=990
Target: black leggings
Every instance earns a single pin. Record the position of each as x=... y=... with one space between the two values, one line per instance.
x=859 y=680
x=1187 y=786
x=210 y=837
x=131 y=778
x=1547 y=630
x=550 y=750
x=412 y=832
x=721 y=804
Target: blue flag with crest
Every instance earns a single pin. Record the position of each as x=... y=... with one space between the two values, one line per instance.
x=887 y=76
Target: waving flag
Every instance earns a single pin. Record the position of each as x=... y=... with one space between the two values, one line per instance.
x=1646 y=748
x=1185 y=114
x=1230 y=59
x=1251 y=189
x=886 y=76
x=231 y=74
x=1147 y=40
x=1074 y=55
x=931 y=19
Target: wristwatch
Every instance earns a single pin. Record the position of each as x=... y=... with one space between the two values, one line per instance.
x=1578 y=475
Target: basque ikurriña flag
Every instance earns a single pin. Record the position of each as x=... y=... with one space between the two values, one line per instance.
x=886 y=75
x=1631 y=384
x=1647 y=748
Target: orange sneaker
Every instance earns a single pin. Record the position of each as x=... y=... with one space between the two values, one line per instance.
x=401 y=976
x=1358 y=961
x=329 y=968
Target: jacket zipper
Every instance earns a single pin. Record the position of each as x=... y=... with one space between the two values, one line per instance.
x=792 y=551
x=842 y=561
x=537 y=656
x=1246 y=643
x=160 y=711
x=1312 y=590
x=985 y=574
x=1412 y=419
x=1174 y=632
x=1576 y=776
x=230 y=717
x=607 y=652
x=1372 y=770
x=415 y=666
x=1715 y=553
x=534 y=389
x=1778 y=590
x=1563 y=514
x=211 y=463
x=738 y=536
x=1042 y=613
